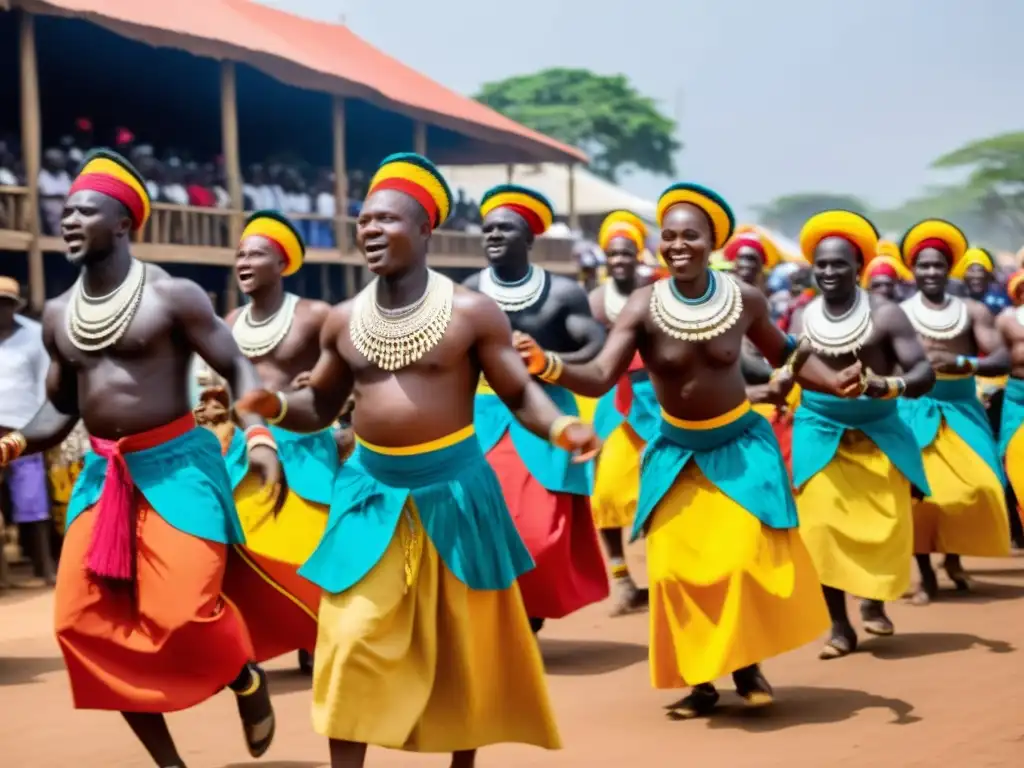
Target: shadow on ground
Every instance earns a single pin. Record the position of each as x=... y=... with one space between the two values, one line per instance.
x=18 y=670
x=589 y=657
x=807 y=706
x=981 y=592
x=918 y=644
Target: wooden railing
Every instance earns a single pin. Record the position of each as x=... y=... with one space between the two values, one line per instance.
x=207 y=233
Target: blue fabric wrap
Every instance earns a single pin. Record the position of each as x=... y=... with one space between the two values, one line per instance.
x=644 y=412
x=821 y=420
x=956 y=401
x=310 y=461
x=551 y=466
x=460 y=505
x=1013 y=414
x=185 y=480
x=742 y=459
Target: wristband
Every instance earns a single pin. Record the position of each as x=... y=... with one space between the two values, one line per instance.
x=259 y=435
x=282 y=402
x=558 y=427
x=552 y=369
x=895 y=386
x=967 y=362
x=12 y=445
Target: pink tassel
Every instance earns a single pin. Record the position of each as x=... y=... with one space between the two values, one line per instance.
x=111 y=552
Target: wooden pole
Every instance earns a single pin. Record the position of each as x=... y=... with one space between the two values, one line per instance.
x=232 y=168
x=31 y=147
x=419 y=143
x=574 y=219
x=340 y=174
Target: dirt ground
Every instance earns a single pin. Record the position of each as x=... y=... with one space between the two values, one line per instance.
x=944 y=690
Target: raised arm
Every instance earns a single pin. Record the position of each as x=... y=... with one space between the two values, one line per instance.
x=318 y=404
x=996 y=356
x=508 y=377
x=57 y=416
x=580 y=323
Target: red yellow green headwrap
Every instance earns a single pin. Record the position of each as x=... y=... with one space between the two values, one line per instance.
x=972 y=257
x=888 y=248
x=534 y=208
x=850 y=226
x=417 y=177
x=750 y=236
x=622 y=224
x=710 y=202
x=276 y=228
x=108 y=173
x=1014 y=287
x=934 y=233
x=884 y=264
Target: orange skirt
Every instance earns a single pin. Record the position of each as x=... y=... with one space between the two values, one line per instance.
x=558 y=529
x=175 y=644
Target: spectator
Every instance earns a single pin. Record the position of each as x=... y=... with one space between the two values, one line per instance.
x=258 y=194
x=322 y=235
x=173 y=191
x=54 y=187
x=296 y=201
x=219 y=182
x=8 y=165
x=200 y=194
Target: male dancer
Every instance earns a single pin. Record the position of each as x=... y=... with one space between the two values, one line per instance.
x=548 y=495
x=280 y=334
x=1011 y=437
x=854 y=460
x=965 y=514
x=731 y=581
x=885 y=274
x=627 y=416
x=977 y=272
x=423 y=641
x=139 y=613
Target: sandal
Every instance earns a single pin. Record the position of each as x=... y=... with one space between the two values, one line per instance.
x=700 y=702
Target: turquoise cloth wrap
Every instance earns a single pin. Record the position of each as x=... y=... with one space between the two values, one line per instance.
x=184 y=480
x=821 y=420
x=644 y=412
x=310 y=462
x=551 y=466
x=956 y=401
x=742 y=459
x=459 y=502
x=1013 y=414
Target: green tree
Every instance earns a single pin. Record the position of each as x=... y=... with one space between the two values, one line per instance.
x=788 y=213
x=601 y=114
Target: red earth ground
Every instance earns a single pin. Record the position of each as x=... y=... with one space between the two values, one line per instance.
x=945 y=690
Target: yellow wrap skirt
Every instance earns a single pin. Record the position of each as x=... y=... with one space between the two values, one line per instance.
x=617 y=480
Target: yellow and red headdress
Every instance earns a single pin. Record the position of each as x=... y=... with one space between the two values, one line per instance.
x=1015 y=287
x=710 y=202
x=885 y=264
x=973 y=257
x=106 y=172
x=888 y=248
x=279 y=230
x=849 y=226
x=531 y=205
x=623 y=224
x=934 y=233
x=417 y=177
x=750 y=236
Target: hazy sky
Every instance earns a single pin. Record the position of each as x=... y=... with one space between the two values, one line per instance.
x=772 y=96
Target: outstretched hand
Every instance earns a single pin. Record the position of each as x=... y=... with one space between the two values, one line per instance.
x=581 y=440
x=531 y=353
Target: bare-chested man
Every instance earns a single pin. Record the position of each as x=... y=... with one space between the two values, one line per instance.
x=714 y=492
x=424 y=644
x=1011 y=437
x=854 y=460
x=886 y=275
x=965 y=514
x=627 y=416
x=280 y=334
x=139 y=613
x=548 y=495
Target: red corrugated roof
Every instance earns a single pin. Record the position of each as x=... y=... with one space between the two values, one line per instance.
x=310 y=54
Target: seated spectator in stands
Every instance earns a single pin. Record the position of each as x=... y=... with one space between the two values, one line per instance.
x=296 y=201
x=173 y=190
x=8 y=166
x=54 y=186
x=256 y=190
x=152 y=172
x=219 y=182
x=356 y=193
x=322 y=232
x=199 y=186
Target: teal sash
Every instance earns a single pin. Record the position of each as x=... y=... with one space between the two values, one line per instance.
x=184 y=480
x=551 y=466
x=310 y=462
x=1013 y=413
x=956 y=401
x=644 y=412
x=741 y=458
x=460 y=505
x=821 y=420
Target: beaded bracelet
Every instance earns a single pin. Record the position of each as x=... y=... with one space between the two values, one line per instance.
x=257 y=435
x=895 y=386
x=12 y=445
x=552 y=369
x=283 y=409
x=558 y=427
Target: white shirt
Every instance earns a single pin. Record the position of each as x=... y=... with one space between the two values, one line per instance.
x=24 y=362
x=7 y=179
x=54 y=184
x=176 y=194
x=325 y=205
